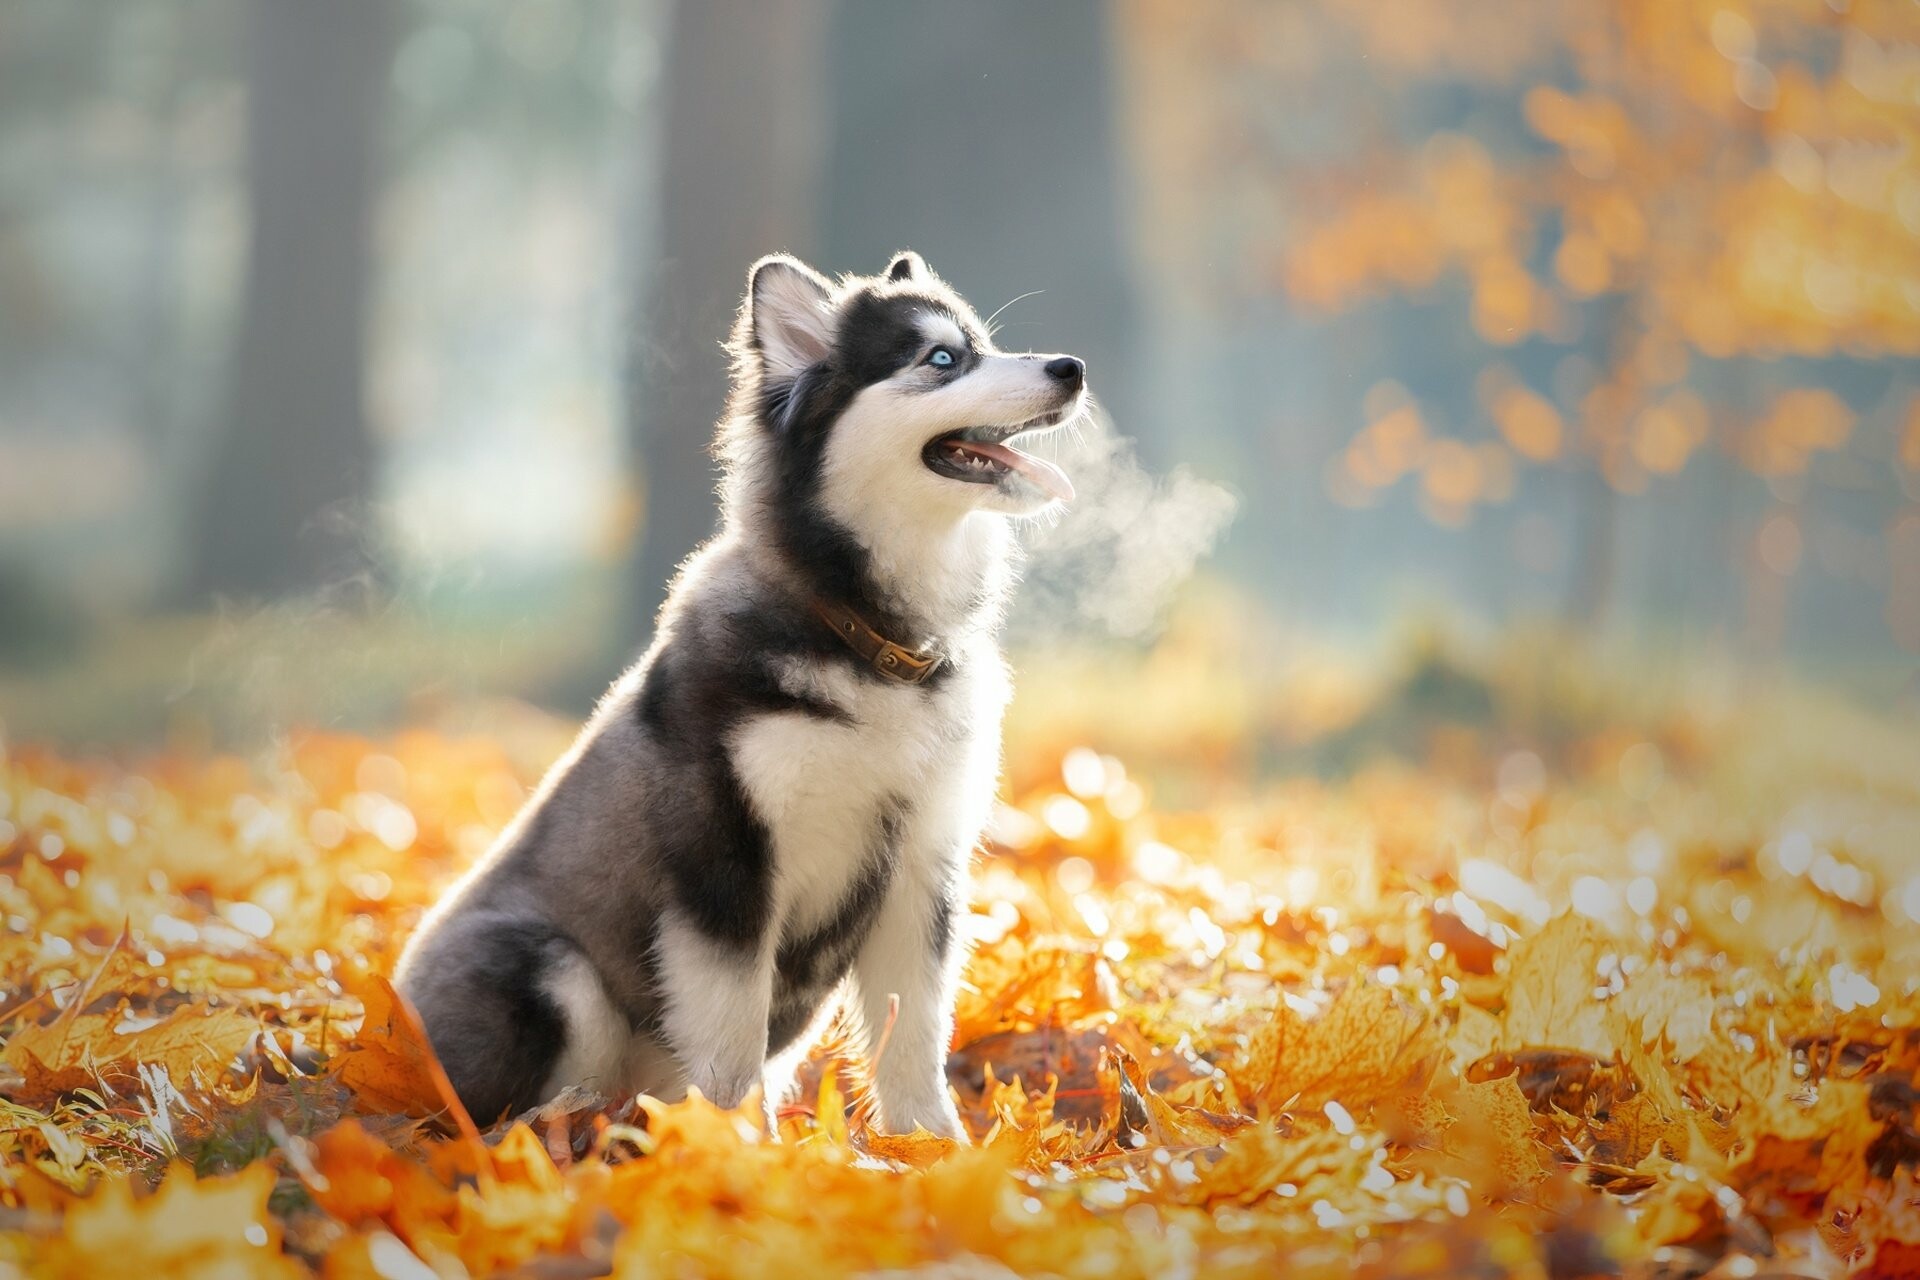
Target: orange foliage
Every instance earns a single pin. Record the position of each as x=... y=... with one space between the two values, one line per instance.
x=1232 y=1041
x=214 y=1227
x=1656 y=184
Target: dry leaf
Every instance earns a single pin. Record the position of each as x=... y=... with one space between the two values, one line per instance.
x=1676 y=1010
x=1493 y=1136
x=1717 y=1103
x=390 y=1066
x=918 y=1149
x=1365 y=1046
x=1633 y=1129
x=194 y=1046
x=187 y=1228
x=1551 y=980
x=1259 y=1160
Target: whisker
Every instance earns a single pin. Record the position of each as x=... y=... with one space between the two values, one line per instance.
x=1048 y=517
x=1009 y=302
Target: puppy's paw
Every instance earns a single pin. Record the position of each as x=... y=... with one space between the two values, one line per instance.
x=939 y=1118
x=725 y=1090
x=954 y=1132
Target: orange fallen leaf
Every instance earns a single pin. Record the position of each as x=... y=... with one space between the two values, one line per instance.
x=522 y=1209
x=1676 y=1010
x=360 y=1179
x=1259 y=1159
x=1413 y=1119
x=1717 y=1109
x=1493 y=1136
x=1635 y=1129
x=1067 y=979
x=189 y=1044
x=1168 y=1124
x=188 y=1227
x=1363 y=1047
x=391 y=1068
x=1550 y=991
x=1808 y=1153
x=918 y=1149
x=193 y=1045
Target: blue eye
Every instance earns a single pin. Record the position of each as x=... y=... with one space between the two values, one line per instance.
x=940 y=356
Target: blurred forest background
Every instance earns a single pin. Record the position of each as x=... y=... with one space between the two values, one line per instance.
x=361 y=357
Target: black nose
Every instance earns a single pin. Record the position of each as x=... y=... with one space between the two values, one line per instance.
x=1068 y=369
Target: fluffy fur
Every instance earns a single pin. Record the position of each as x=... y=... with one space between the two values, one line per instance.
x=754 y=819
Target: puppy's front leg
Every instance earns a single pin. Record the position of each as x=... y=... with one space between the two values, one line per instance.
x=912 y=954
x=718 y=993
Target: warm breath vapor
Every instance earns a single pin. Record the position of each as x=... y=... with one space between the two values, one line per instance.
x=1118 y=555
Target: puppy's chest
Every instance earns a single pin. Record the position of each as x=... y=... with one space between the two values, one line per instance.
x=842 y=800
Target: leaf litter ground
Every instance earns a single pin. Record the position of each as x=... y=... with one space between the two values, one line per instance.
x=1627 y=995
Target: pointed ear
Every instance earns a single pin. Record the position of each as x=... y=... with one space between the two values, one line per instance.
x=907 y=265
x=788 y=315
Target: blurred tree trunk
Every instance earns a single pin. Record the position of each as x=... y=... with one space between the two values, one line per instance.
x=983 y=136
x=739 y=161
x=1590 y=584
x=285 y=502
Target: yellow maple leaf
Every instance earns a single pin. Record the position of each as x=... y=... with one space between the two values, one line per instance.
x=1167 y=1124
x=79 y=1050
x=358 y=1179
x=1634 y=1129
x=1493 y=1136
x=1259 y=1159
x=918 y=1149
x=191 y=1045
x=1550 y=991
x=1806 y=1152
x=390 y=1066
x=1677 y=1008
x=188 y=1229
x=1363 y=1047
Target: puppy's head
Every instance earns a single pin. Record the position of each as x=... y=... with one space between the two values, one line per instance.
x=884 y=399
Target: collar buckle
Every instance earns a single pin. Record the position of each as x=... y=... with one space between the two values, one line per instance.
x=903 y=664
x=894 y=661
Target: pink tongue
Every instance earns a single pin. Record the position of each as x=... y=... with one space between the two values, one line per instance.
x=1041 y=472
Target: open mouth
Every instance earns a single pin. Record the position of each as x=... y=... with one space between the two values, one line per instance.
x=985 y=455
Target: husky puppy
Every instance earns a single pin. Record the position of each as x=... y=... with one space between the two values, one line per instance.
x=780 y=799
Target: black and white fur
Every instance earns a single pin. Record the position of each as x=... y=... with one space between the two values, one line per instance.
x=754 y=818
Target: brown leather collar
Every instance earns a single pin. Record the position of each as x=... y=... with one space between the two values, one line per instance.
x=896 y=662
